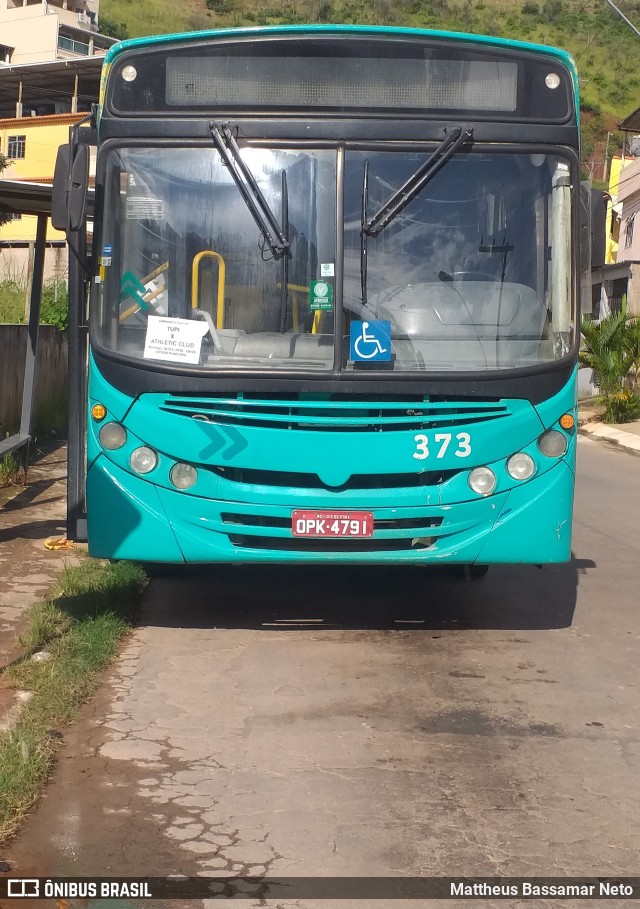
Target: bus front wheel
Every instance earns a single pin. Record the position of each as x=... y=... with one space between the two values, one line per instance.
x=472 y=572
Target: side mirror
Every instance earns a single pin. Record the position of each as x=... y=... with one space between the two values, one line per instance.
x=70 y=185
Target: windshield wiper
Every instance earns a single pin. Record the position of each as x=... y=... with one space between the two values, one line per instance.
x=410 y=189
x=363 y=233
x=249 y=190
x=284 y=303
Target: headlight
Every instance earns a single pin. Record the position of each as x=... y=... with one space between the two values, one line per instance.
x=112 y=436
x=183 y=476
x=553 y=444
x=143 y=459
x=521 y=466
x=482 y=480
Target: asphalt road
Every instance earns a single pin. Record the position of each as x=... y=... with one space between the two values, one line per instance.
x=366 y=722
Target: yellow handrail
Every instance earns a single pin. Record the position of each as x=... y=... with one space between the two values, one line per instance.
x=297 y=290
x=195 y=279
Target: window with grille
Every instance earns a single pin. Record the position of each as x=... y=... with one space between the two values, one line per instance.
x=16 y=146
x=628 y=231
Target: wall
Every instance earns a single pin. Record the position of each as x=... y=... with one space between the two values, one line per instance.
x=51 y=378
x=14 y=264
x=32 y=33
x=629 y=198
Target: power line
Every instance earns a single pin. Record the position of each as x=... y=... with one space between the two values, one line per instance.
x=622 y=16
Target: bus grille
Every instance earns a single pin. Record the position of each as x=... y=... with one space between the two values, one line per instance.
x=250 y=520
x=299 y=544
x=286 y=479
x=335 y=413
x=422 y=525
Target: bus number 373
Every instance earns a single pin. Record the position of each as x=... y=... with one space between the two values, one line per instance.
x=441 y=442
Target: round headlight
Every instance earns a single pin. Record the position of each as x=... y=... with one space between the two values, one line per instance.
x=112 y=436
x=482 y=480
x=183 y=476
x=553 y=444
x=521 y=466
x=143 y=459
x=129 y=73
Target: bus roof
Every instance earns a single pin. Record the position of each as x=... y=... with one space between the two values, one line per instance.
x=556 y=53
x=377 y=30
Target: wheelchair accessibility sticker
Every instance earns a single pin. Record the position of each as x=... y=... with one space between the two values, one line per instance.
x=370 y=341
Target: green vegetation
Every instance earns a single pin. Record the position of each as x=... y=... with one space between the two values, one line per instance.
x=11 y=471
x=54 y=306
x=599 y=40
x=51 y=416
x=611 y=348
x=81 y=627
x=113 y=29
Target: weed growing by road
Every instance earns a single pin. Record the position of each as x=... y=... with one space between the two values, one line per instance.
x=80 y=627
x=11 y=471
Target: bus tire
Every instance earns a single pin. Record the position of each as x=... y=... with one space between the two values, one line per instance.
x=472 y=572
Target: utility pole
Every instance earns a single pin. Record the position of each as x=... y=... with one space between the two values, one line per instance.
x=622 y=16
x=606 y=158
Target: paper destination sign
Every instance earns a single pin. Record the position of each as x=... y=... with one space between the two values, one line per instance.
x=178 y=340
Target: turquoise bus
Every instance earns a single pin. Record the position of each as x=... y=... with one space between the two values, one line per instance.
x=333 y=294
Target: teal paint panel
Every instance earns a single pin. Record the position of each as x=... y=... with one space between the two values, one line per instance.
x=333 y=456
x=140 y=509
x=125 y=519
x=534 y=526
x=100 y=392
x=205 y=535
x=565 y=401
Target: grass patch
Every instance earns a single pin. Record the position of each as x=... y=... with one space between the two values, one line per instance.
x=80 y=627
x=11 y=471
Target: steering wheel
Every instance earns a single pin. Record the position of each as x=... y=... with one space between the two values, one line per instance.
x=390 y=293
x=472 y=276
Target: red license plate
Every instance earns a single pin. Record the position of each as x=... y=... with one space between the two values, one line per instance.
x=332 y=523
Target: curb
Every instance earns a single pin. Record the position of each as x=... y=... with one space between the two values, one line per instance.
x=625 y=440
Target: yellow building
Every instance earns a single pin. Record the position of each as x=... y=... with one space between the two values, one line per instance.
x=30 y=145
x=613 y=213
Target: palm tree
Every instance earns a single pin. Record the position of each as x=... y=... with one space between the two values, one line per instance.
x=611 y=348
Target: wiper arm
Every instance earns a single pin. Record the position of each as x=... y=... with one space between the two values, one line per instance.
x=249 y=189
x=410 y=189
x=363 y=233
x=284 y=303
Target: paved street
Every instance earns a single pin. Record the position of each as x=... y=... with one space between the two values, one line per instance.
x=370 y=722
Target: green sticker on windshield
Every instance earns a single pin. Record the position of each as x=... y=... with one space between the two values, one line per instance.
x=320 y=295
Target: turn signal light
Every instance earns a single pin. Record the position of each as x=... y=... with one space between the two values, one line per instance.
x=567 y=421
x=98 y=412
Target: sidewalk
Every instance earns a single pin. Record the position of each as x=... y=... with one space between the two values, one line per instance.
x=28 y=515
x=626 y=435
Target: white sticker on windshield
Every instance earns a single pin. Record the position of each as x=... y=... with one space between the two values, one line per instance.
x=327 y=270
x=178 y=340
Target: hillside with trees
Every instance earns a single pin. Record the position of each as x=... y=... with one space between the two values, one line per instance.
x=604 y=47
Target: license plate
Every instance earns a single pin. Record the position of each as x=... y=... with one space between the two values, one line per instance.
x=332 y=523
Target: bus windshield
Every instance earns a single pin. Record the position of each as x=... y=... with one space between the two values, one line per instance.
x=473 y=274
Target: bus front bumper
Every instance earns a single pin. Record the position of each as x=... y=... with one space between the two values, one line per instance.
x=131 y=518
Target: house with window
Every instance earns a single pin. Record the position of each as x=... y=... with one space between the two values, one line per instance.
x=51 y=55
x=30 y=145
x=616 y=284
x=33 y=31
